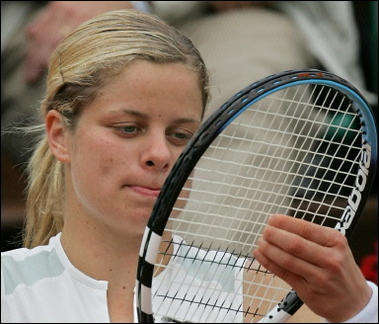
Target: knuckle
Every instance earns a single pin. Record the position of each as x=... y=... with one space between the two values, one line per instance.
x=295 y=246
x=306 y=229
x=334 y=263
x=340 y=240
x=287 y=261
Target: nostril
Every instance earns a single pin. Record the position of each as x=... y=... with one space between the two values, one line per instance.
x=150 y=163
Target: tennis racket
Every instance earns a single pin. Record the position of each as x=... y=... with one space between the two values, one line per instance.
x=301 y=143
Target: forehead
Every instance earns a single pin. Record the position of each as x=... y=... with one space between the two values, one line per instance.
x=149 y=87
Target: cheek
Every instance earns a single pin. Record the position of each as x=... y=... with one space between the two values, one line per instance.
x=95 y=157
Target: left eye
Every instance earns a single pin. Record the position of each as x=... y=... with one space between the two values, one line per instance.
x=180 y=138
x=128 y=129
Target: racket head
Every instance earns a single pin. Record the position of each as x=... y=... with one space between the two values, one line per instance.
x=323 y=173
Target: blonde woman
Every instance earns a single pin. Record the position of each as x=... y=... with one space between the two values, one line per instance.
x=125 y=93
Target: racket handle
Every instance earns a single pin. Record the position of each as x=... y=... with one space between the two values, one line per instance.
x=285 y=309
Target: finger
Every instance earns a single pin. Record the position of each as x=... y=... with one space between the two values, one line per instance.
x=316 y=286
x=300 y=247
x=319 y=234
x=292 y=278
x=288 y=262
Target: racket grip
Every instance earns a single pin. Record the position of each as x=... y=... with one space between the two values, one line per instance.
x=285 y=309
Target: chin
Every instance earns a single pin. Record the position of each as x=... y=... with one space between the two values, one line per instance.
x=140 y=219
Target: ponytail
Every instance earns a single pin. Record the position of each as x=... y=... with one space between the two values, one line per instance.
x=45 y=198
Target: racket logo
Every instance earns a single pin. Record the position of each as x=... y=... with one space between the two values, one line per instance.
x=356 y=194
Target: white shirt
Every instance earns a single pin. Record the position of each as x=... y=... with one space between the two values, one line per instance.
x=41 y=285
x=199 y=286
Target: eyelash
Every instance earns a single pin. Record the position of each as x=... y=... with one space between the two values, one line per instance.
x=123 y=129
x=177 y=138
x=182 y=139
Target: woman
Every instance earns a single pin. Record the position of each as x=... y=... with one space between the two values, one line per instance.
x=125 y=93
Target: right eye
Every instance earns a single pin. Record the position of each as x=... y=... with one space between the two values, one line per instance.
x=129 y=130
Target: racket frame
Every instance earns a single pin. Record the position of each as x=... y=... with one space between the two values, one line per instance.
x=203 y=138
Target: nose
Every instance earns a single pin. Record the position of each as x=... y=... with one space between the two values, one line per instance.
x=157 y=154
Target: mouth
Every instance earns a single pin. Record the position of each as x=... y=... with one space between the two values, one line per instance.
x=145 y=191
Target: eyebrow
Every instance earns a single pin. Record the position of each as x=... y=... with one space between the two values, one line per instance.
x=146 y=116
x=132 y=112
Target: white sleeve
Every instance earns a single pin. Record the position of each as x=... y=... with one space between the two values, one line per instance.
x=369 y=314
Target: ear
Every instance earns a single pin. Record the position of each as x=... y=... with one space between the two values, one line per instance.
x=58 y=136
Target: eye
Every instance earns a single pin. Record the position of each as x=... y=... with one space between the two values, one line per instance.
x=180 y=138
x=128 y=130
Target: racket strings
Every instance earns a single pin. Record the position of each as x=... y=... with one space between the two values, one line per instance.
x=189 y=299
x=240 y=186
x=333 y=162
x=222 y=304
x=292 y=152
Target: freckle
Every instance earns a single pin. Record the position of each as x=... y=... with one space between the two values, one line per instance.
x=123 y=287
x=159 y=115
x=110 y=270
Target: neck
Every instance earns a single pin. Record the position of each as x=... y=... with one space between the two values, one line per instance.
x=104 y=255
x=101 y=253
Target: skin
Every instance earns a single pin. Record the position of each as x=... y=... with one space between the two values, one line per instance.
x=125 y=144
x=318 y=263
x=52 y=24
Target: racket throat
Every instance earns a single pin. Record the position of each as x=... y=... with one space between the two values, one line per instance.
x=285 y=309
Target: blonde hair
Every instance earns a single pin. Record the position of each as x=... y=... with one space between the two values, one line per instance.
x=79 y=67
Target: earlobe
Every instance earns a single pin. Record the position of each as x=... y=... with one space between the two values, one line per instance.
x=58 y=136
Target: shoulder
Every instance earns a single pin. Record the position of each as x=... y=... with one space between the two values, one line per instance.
x=28 y=266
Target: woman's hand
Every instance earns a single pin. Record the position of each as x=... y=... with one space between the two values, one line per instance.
x=317 y=263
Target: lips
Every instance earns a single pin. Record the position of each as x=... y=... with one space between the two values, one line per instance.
x=146 y=191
